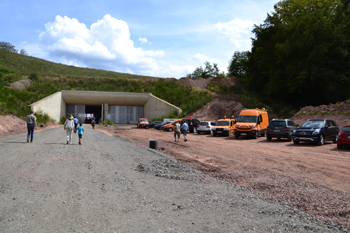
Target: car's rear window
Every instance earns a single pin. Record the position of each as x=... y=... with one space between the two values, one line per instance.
x=277 y=123
x=346 y=129
x=203 y=123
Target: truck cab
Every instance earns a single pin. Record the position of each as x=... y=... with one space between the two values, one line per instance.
x=225 y=127
x=251 y=122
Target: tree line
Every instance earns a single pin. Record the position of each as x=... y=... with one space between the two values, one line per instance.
x=300 y=54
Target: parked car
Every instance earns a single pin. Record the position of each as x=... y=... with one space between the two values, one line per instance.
x=151 y=125
x=192 y=124
x=317 y=131
x=344 y=137
x=280 y=128
x=141 y=122
x=89 y=117
x=205 y=126
x=251 y=122
x=171 y=126
x=161 y=125
x=225 y=127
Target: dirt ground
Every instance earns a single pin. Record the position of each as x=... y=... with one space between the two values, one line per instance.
x=315 y=179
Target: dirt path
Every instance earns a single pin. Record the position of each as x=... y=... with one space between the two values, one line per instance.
x=312 y=178
x=110 y=185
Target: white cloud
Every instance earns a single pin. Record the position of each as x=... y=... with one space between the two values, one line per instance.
x=144 y=40
x=237 y=31
x=105 y=45
x=200 y=57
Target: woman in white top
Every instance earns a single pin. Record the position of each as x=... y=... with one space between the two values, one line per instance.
x=69 y=127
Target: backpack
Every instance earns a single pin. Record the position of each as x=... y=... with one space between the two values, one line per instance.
x=69 y=124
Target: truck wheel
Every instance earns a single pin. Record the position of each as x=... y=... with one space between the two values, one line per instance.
x=320 y=140
x=256 y=135
x=236 y=136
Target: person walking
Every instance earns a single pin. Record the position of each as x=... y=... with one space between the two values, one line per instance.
x=177 y=131
x=31 y=124
x=80 y=129
x=69 y=126
x=76 y=121
x=184 y=130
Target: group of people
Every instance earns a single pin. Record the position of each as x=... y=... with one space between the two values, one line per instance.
x=71 y=125
x=177 y=131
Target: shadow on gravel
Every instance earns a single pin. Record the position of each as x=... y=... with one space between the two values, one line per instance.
x=16 y=142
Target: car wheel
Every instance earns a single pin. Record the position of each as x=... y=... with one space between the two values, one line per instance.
x=336 y=138
x=170 y=129
x=194 y=130
x=268 y=138
x=339 y=147
x=147 y=127
x=296 y=142
x=320 y=140
x=289 y=138
x=198 y=132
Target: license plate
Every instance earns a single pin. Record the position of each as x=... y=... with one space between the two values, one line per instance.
x=276 y=130
x=243 y=134
x=219 y=131
x=302 y=138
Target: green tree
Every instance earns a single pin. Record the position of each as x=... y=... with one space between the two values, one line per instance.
x=301 y=52
x=207 y=72
x=7 y=47
x=237 y=64
x=23 y=52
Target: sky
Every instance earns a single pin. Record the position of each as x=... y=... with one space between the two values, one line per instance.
x=159 y=38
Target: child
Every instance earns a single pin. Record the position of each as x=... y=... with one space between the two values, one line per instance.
x=80 y=132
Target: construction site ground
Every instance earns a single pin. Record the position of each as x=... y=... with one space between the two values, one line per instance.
x=315 y=179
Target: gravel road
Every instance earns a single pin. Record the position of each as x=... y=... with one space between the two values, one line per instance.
x=110 y=185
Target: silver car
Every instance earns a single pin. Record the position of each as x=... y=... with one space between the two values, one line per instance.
x=205 y=126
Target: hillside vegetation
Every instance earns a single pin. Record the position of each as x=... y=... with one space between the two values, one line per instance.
x=44 y=84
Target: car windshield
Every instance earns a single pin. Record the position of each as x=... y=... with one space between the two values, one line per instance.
x=253 y=119
x=203 y=123
x=277 y=123
x=313 y=124
x=223 y=123
x=143 y=120
x=346 y=130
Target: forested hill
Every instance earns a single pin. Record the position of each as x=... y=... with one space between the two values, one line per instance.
x=300 y=54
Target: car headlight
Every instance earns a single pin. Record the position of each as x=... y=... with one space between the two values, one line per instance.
x=317 y=131
x=226 y=128
x=294 y=131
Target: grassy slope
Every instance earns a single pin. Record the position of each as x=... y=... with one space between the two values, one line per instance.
x=74 y=78
x=26 y=65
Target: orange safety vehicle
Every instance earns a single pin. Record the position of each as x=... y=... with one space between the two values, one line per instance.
x=171 y=127
x=225 y=126
x=251 y=122
x=141 y=122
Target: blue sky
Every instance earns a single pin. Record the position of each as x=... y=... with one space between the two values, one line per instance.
x=154 y=37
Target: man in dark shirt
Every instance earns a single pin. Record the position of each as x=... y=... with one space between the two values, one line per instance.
x=31 y=124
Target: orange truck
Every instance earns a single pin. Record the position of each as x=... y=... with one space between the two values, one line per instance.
x=225 y=127
x=141 y=122
x=251 y=122
x=171 y=127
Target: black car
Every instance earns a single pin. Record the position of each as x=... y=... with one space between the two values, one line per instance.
x=192 y=124
x=317 y=131
x=280 y=128
x=160 y=126
x=151 y=125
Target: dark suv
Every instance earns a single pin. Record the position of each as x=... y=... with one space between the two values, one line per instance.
x=317 y=131
x=192 y=124
x=280 y=128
